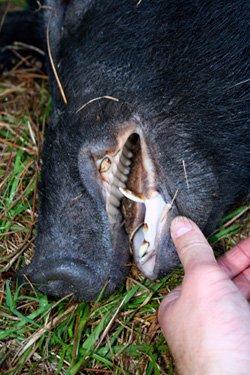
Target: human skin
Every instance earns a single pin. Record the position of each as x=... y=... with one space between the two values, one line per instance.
x=206 y=320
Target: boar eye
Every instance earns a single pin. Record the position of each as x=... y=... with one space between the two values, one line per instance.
x=105 y=164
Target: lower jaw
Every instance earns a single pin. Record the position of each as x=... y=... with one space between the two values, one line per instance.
x=147 y=238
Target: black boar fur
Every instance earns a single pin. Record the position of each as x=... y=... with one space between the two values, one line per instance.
x=180 y=70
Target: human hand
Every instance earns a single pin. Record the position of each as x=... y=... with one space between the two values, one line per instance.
x=206 y=320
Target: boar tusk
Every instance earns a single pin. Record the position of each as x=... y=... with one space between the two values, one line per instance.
x=132 y=196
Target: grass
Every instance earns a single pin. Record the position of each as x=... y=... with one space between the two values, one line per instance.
x=117 y=335
x=14 y=3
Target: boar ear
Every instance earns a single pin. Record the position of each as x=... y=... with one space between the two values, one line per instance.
x=64 y=17
x=75 y=11
x=67 y=15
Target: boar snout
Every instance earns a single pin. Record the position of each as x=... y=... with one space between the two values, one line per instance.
x=63 y=277
x=71 y=277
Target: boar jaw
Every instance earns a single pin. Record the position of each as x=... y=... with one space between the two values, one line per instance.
x=130 y=192
x=145 y=240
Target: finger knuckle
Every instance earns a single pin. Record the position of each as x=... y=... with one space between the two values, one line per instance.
x=190 y=246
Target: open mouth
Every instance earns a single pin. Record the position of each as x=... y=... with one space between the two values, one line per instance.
x=132 y=199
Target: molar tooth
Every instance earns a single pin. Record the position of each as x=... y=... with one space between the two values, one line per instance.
x=113 y=213
x=130 y=195
x=127 y=153
x=118 y=183
x=112 y=199
x=120 y=176
x=129 y=145
x=114 y=190
x=126 y=162
x=144 y=248
x=114 y=169
x=122 y=169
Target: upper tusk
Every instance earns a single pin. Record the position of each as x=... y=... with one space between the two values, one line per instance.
x=130 y=195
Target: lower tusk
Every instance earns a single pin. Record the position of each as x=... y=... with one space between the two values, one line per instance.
x=135 y=231
x=144 y=248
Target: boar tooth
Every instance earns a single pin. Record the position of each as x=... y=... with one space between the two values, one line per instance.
x=112 y=199
x=129 y=145
x=130 y=195
x=135 y=231
x=122 y=169
x=120 y=176
x=128 y=154
x=118 y=183
x=115 y=191
x=114 y=213
x=125 y=162
x=144 y=248
x=119 y=169
x=105 y=184
x=115 y=219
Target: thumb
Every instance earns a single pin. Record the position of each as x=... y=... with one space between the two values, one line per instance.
x=167 y=304
x=191 y=245
x=172 y=296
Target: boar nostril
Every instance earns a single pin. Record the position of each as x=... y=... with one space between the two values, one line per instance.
x=64 y=278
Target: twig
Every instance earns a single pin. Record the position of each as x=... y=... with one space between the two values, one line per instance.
x=4 y=15
x=231 y=221
x=95 y=99
x=18 y=253
x=17 y=46
x=105 y=332
x=53 y=65
x=97 y=370
x=29 y=46
x=185 y=173
x=32 y=135
x=174 y=198
x=50 y=325
x=31 y=151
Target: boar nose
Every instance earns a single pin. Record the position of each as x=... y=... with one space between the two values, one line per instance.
x=65 y=277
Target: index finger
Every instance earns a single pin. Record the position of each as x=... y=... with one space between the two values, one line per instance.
x=236 y=260
x=191 y=245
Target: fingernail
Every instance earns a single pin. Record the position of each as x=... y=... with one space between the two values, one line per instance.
x=180 y=226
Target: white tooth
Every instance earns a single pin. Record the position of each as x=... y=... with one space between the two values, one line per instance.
x=130 y=195
x=129 y=145
x=119 y=169
x=114 y=169
x=122 y=177
x=122 y=169
x=112 y=199
x=105 y=185
x=127 y=153
x=135 y=231
x=118 y=183
x=114 y=190
x=126 y=162
x=143 y=249
x=114 y=213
